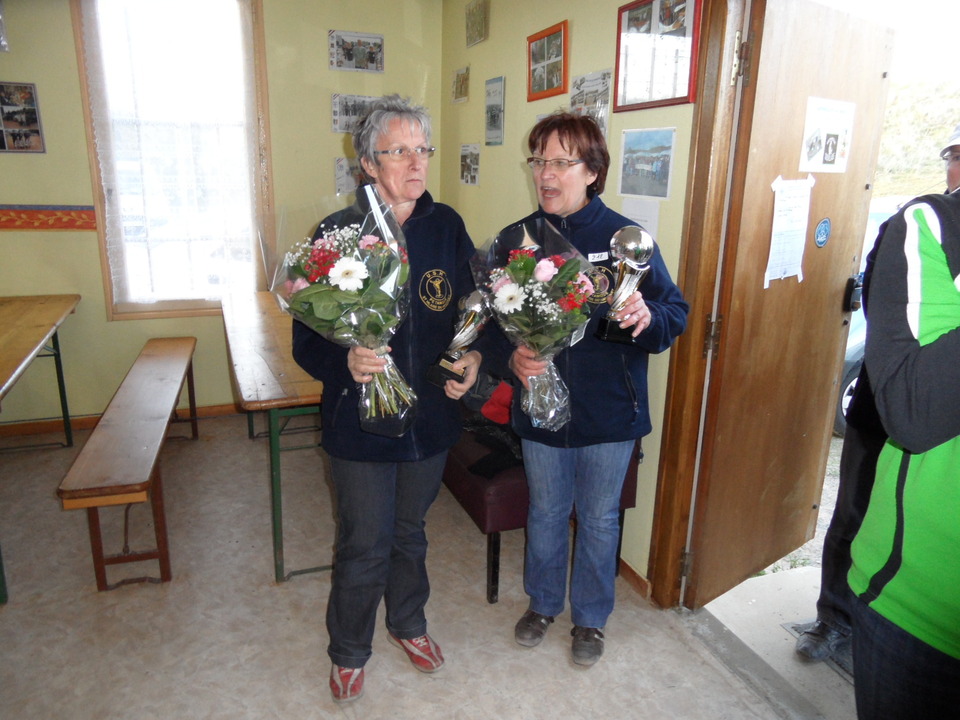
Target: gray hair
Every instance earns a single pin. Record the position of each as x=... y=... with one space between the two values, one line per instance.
x=377 y=122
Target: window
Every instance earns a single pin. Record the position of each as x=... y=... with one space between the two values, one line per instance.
x=173 y=109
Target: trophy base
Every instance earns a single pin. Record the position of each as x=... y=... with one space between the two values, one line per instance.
x=443 y=370
x=611 y=331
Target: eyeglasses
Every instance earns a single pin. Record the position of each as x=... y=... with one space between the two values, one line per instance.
x=560 y=165
x=398 y=154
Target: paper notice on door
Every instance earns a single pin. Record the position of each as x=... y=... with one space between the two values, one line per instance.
x=791 y=210
x=827 y=133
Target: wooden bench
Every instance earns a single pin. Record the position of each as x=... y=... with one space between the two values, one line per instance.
x=119 y=464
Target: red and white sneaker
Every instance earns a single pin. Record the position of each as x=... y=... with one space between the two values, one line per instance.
x=423 y=652
x=346 y=683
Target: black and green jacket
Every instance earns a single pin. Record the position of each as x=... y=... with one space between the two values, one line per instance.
x=905 y=554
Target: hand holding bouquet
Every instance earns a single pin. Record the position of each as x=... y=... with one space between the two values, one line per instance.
x=350 y=285
x=537 y=285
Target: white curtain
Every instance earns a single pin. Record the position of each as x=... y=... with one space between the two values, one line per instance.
x=174 y=112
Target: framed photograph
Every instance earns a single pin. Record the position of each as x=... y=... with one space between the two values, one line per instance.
x=547 y=62
x=355 y=52
x=646 y=157
x=20 y=115
x=657 y=44
x=493 y=115
x=460 y=92
x=478 y=21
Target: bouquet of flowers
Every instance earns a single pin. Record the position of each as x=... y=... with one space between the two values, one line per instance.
x=537 y=285
x=350 y=285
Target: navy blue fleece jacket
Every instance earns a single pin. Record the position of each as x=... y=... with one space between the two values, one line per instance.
x=607 y=380
x=439 y=249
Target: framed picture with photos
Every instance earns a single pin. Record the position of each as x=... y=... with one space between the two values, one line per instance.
x=547 y=71
x=657 y=44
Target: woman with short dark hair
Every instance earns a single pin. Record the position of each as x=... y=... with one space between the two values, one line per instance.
x=582 y=465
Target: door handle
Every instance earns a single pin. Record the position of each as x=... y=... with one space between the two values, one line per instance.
x=852 y=294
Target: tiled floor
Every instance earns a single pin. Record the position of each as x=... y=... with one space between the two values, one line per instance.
x=222 y=640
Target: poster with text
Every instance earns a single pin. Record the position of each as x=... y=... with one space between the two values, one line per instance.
x=493 y=119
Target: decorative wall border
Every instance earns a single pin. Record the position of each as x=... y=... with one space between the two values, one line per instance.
x=47 y=217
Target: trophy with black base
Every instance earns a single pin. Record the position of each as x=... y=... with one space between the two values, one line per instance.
x=474 y=314
x=632 y=246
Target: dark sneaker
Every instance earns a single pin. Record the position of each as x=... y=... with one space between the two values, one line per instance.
x=423 y=652
x=346 y=684
x=531 y=628
x=819 y=641
x=587 y=645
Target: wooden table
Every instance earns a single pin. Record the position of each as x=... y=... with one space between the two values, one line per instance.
x=28 y=330
x=268 y=379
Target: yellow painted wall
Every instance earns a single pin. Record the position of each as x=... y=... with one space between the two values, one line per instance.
x=98 y=353
x=424 y=45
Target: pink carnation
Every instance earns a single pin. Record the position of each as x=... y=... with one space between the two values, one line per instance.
x=368 y=241
x=499 y=283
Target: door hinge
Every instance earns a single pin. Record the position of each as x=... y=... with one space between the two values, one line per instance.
x=741 y=59
x=711 y=335
x=686 y=563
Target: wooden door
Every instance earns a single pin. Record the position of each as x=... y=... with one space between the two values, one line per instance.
x=773 y=379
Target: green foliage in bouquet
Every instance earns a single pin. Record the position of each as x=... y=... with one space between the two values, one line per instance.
x=347 y=286
x=540 y=302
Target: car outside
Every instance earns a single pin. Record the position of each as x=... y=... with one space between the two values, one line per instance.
x=880 y=210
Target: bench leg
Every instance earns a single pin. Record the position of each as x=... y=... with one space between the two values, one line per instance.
x=191 y=394
x=160 y=524
x=493 y=567
x=96 y=548
x=3 y=583
x=161 y=554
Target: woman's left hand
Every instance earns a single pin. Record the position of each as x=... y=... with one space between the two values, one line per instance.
x=470 y=362
x=635 y=313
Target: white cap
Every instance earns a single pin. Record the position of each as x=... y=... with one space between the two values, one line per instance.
x=954 y=140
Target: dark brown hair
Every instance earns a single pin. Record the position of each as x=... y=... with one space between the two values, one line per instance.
x=581 y=137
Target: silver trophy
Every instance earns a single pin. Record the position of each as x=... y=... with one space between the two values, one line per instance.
x=474 y=314
x=632 y=246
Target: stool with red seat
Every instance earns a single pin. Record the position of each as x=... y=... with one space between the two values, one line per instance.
x=488 y=481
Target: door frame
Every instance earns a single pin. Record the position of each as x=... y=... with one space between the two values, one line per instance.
x=708 y=187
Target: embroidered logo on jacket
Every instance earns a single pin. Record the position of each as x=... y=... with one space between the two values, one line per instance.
x=435 y=290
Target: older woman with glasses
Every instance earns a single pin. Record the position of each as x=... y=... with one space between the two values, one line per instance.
x=582 y=465
x=384 y=485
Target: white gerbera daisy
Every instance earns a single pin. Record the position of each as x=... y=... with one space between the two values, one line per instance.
x=509 y=298
x=348 y=274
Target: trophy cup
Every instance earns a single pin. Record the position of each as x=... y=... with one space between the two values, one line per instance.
x=474 y=314
x=633 y=248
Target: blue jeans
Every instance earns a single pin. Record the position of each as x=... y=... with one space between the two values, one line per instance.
x=898 y=676
x=381 y=552
x=591 y=479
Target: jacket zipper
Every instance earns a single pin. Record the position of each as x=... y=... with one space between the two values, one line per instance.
x=630 y=388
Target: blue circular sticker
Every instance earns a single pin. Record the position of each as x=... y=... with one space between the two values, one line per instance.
x=822 y=233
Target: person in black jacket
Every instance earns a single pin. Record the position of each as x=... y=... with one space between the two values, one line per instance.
x=384 y=485
x=865 y=436
x=583 y=464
